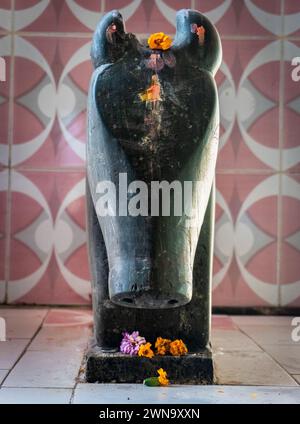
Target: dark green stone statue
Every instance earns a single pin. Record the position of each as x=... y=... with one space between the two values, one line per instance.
x=152 y=136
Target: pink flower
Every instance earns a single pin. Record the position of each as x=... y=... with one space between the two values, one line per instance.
x=131 y=343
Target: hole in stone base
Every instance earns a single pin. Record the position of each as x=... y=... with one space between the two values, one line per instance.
x=127 y=300
x=172 y=302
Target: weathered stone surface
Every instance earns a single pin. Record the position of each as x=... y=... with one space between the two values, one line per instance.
x=196 y=368
x=152 y=273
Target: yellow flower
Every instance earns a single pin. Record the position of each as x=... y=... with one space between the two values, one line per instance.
x=160 y=41
x=162 y=379
x=178 y=348
x=162 y=346
x=145 y=350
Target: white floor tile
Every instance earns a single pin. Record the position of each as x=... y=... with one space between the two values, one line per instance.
x=272 y=320
x=250 y=368
x=10 y=351
x=288 y=356
x=34 y=396
x=269 y=334
x=53 y=338
x=3 y=374
x=135 y=393
x=230 y=340
x=46 y=369
x=22 y=323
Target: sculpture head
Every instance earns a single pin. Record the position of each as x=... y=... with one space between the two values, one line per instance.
x=110 y=40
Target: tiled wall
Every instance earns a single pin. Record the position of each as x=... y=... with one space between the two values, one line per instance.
x=43 y=257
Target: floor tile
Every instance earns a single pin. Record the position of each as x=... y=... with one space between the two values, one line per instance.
x=287 y=356
x=297 y=378
x=230 y=340
x=10 y=351
x=250 y=368
x=223 y=322
x=262 y=320
x=135 y=393
x=22 y=323
x=46 y=369
x=53 y=338
x=34 y=396
x=3 y=374
x=269 y=334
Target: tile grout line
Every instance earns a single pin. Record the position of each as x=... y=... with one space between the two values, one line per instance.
x=26 y=347
x=268 y=354
x=82 y=366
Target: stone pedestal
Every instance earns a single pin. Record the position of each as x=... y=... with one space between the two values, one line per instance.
x=115 y=367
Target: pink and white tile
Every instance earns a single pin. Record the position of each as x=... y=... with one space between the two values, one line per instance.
x=5 y=15
x=248 y=85
x=221 y=13
x=51 y=83
x=290 y=244
x=291 y=147
x=246 y=241
x=57 y=16
x=145 y=17
x=3 y=230
x=5 y=71
x=292 y=18
x=48 y=246
x=233 y=17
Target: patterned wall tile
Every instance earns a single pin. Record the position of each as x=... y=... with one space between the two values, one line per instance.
x=52 y=72
x=246 y=240
x=292 y=17
x=151 y=16
x=51 y=83
x=291 y=145
x=248 y=84
x=48 y=241
x=3 y=229
x=220 y=12
x=5 y=65
x=290 y=248
x=243 y=17
x=5 y=15
x=57 y=15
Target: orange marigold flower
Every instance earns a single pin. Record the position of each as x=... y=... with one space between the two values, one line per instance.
x=162 y=346
x=178 y=348
x=159 y=41
x=145 y=350
x=162 y=379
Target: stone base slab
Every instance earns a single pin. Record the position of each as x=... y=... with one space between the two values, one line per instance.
x=115 y=367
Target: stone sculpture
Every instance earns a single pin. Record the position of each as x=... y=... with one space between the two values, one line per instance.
x=152 y=119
